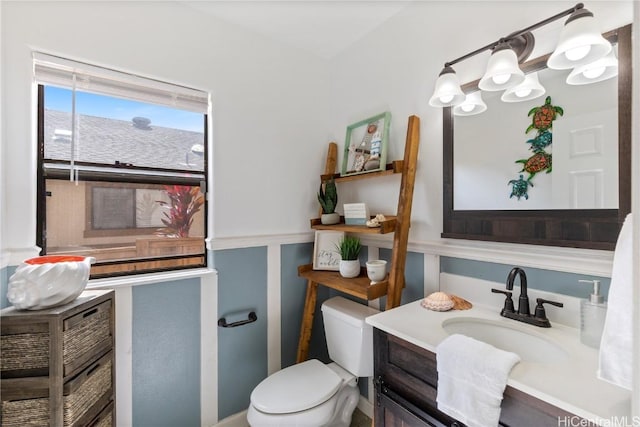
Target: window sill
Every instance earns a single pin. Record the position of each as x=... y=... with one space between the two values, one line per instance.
x=146 y=279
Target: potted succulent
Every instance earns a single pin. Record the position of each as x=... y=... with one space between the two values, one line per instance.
x=349 y=248
x=328 y=198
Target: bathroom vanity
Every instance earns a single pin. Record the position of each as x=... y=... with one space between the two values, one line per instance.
x=406 y=387
x=542 y=389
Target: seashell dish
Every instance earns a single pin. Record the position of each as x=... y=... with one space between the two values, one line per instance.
x=460 y=303
x=438 y=301
x=48 y=281
x=376 y=221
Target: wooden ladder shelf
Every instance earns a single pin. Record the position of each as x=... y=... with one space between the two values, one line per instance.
x=361 y=286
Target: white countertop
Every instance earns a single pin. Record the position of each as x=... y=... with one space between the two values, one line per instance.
x=571 y=385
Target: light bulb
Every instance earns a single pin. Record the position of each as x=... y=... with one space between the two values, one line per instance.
x=445 y=99
x=523 y=92
x=594 y=73
x=500 y=79
x=467 y=108
x=577 y=53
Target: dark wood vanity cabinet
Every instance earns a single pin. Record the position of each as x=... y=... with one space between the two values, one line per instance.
x=406 y=383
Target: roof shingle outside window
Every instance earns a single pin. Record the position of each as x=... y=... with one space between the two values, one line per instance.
x=140 y=143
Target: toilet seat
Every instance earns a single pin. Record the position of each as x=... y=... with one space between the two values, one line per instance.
x=296 y=388
x=317 y=416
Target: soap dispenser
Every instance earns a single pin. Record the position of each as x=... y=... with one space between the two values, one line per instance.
x=593 y=311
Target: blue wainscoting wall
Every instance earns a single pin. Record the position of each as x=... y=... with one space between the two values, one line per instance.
x=166 y=354
x=413 y=277
x=166 y=326
x=545 y=280
x=292 y=295
x=242 y=351
x=4 y=281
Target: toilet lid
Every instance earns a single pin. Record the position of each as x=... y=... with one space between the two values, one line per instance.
x=296 y=388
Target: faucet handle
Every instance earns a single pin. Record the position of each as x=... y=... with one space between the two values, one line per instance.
x=541 y=301
x=508 y=302
x=540 y=312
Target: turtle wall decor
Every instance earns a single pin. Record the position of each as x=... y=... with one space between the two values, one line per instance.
x=544 y=115
x=520 y=187
x=542 y=118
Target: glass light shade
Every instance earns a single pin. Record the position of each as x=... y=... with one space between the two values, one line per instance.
x=580 y=42
x=473 y=104
x=597 y=71
x=503 y=71
x=447 y=91
x=530 y=88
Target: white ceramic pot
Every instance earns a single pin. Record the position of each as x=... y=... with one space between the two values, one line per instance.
x=48 y=281
x=377 y=270
x=329 y=219
x=350 y=268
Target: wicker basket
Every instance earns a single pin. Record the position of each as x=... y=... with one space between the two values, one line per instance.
x=86 y=335
x=24 y=351
x=28 y=412
x=107 y=421
x=89 y=387
x=27 y=353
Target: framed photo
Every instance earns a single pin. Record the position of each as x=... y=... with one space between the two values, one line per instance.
x=325 y=252
x=365 y=146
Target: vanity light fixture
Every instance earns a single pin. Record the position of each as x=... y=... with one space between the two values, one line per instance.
x=529 y=89
x=580 y=43
x=503 y=71
x=447 y=91
x=473 y=104
x=597 y=71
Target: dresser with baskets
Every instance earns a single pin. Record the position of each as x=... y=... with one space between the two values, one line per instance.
x=58 y=364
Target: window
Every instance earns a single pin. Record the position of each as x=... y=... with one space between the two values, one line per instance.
x=122 y=167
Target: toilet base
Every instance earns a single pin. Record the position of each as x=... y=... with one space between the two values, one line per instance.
x=348 y=397
x=343 y=414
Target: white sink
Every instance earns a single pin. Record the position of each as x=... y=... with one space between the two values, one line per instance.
x=530 y=345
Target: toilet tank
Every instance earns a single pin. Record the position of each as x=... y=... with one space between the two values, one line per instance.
x=349 y=338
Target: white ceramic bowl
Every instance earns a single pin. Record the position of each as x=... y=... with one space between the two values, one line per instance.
x=48 y=281
x=377 y=270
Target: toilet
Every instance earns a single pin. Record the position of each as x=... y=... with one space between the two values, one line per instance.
x=312 y=393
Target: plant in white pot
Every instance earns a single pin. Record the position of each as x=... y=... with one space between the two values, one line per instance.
x=328 y=198
x=349 y=248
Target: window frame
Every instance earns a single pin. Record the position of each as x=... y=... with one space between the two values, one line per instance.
x=125 y=174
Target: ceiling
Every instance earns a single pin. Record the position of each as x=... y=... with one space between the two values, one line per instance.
x=323 y=27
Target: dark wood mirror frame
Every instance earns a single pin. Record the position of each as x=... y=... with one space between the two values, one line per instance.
x=579 y=228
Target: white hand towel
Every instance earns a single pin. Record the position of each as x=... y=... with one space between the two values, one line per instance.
x=472 y=376
x=617 y=339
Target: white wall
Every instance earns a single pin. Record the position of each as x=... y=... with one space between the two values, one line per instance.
x=395 y=69
x=275 y=107
x=269 y=105
x=3 y=261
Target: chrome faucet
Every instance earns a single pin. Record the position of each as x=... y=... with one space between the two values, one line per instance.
x=523 y=314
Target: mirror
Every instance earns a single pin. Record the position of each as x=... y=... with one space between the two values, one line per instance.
x=579 y=205
x=583 y=143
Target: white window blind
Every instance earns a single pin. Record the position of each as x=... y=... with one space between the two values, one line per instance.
x=56 y=71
